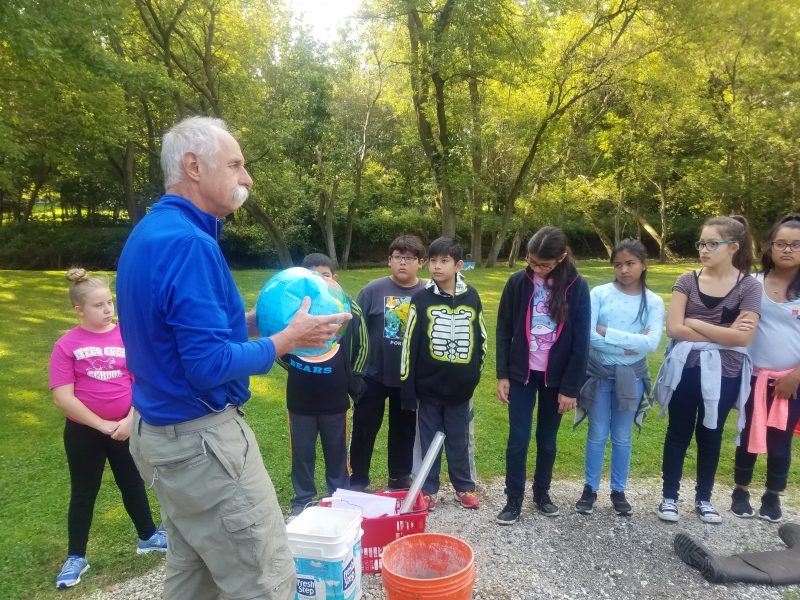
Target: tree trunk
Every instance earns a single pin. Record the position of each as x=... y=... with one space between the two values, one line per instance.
x=515 y=244
x=351 y=213
x=474 y=193
x=500 y=235
x=604 y=239
x=448 y=211
x=263 y=219
x=325 y=208
x=28 y=208
x=663 y=249
x=476 y=244
x=330 y=239
x=128 y=179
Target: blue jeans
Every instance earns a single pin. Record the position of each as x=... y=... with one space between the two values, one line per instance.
x=605 y=418
x=521 y=401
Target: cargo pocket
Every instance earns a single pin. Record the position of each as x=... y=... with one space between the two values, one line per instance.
x=249 y=530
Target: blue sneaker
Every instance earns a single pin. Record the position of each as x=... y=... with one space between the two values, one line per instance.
x=71 y=572
x=156 y=543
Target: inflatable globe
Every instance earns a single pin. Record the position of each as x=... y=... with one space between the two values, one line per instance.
x=281 y=296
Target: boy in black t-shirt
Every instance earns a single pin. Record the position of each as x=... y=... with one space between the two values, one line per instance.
x=317 y=390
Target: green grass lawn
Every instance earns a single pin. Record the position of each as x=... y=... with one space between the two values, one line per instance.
x=34 y=479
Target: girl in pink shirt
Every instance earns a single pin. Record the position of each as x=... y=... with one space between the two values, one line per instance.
x=91 y=384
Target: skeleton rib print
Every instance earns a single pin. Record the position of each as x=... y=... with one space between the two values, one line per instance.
x=450 y=333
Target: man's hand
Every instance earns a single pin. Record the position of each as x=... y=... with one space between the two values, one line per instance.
x=601 y=329
x=308 y=331
x=565 y=404
x=503 y=386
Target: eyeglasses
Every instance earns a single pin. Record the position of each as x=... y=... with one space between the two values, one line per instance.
x=781 y=246
x=403 y=259
x=713 y=244
x=546 y=268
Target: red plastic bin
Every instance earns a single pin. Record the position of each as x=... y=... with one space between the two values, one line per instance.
x=379 y=531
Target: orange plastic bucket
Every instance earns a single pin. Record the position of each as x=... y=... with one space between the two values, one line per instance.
x=428 y=566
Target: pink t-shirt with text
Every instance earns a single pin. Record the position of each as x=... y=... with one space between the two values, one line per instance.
x=95 y=364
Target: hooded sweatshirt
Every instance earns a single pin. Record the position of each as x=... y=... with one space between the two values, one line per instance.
x=444 y=346
x=569 y=354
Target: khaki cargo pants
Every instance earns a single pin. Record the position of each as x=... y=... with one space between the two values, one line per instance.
x=225 y=530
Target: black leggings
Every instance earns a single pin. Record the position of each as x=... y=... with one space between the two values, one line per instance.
x=87 y=450
x=779 y=446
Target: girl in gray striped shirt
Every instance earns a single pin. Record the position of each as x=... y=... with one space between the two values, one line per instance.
x=715 y=309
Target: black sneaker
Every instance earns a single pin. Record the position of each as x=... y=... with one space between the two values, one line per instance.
x=740 y=503
x=510 y=513
x=621 y=506
x=544 y=504
x=358 y=484
x=585 y=505
x=399 y=483
x=770 y=508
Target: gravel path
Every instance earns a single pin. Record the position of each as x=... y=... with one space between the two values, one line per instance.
x=577 y=556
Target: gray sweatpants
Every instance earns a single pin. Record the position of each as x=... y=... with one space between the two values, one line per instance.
x=224 y=527
x=454 y=421
x=418 y=456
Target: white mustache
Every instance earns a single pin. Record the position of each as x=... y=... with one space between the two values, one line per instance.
x=240 y=196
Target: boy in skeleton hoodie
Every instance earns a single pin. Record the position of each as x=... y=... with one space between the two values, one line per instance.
x=442 y=357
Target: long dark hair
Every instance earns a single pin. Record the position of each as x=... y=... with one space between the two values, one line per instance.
x=635 y=247
x=767 y=264
x=550 y=243
x=736 y=228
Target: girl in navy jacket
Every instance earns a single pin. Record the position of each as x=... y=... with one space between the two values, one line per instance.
x=542 y=349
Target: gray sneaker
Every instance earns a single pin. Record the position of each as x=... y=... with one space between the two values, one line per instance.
x=668 y=510
x=706 y=511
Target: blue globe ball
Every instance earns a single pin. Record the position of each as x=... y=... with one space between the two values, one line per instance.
x=281 y=296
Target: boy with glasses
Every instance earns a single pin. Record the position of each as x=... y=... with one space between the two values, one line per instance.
x=384 y=303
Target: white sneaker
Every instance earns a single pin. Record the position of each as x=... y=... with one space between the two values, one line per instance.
x=707 y=512
x=668 y=510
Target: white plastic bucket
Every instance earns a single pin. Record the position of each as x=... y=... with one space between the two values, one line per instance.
x=326 y=545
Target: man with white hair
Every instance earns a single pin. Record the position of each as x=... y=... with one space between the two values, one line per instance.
x=186 y=337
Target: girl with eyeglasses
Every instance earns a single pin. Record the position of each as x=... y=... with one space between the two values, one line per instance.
x=542 y=349
x=712 y=316
x=773 y=409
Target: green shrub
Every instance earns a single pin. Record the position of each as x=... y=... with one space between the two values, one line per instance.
x=39 y=245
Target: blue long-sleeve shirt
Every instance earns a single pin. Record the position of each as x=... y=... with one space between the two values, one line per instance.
x=183 y=319
x=617 y=311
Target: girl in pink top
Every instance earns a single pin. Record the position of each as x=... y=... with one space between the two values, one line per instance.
x=91 y=384
x=773 y=408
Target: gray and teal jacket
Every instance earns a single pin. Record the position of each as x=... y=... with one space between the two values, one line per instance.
x=444 y=347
